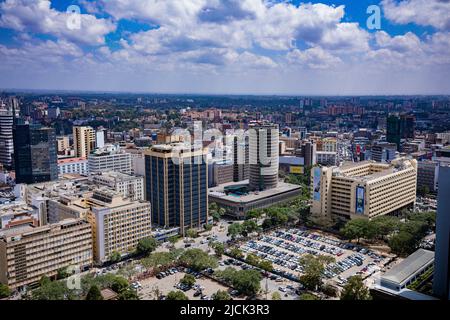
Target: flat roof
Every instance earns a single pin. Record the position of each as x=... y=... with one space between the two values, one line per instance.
x=408 y=267
x=282 y=187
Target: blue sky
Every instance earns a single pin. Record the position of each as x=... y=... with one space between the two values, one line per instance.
x=227 y=46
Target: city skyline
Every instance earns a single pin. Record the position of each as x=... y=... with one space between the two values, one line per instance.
x=227 y=47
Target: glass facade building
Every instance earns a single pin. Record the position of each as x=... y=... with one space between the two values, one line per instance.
x=177 y=187
x=35 y=153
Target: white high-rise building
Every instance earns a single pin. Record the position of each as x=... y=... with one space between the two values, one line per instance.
x=6 y=137
x=263 y=155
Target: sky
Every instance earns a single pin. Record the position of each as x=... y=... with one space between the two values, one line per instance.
x=227 y=46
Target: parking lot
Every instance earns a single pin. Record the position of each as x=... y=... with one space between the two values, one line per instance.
x=203 y=289
x=284 y=248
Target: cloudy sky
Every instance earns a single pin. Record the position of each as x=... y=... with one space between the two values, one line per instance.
x=226 y=46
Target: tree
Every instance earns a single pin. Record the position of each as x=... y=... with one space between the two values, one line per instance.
x=249 y=226
x=115 y=256
x=357 y=229
x=254 y=214
x=208 y=227
x=188 y=280
x=173 y=239
x=330 y=290
x=253 y=259
x=53 y=290
x=198 y=260
x=119 y=284
x=313 y=270
x=219 y=248
x=159 y=259
x=128 y=294
x=247 y=282
x=276 y=296
x=221 y=295
x=94 y=293
x=4 y=291
x=307 y=296
x=423 y=191
x=192 y=233
x=62 y=273
x=146 y=246
x=176 y=295
x=266 y=265
x=236 y=253
x=355 y=289
x=385 y=225
x=234 y=230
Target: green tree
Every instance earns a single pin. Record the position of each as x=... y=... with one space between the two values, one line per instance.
x=53 y=290
x=159 y=259
x=174 y=239
x=219 y=249
x=253 y=259
x=221 y=295
x=198 y=260
x=146 y=246
x=266 y=265
x=249 y=226
x=254 y=214
x=308 y=296
x=236 y=253
x=119 y=284
x=115 y=256
x=276 y=296
x=234 y=230
x=4 y=291
x=357 y=229
x=188 y=280
x=385 y=225
x=208 y=227
x=355 y=289
x=192 y=233
x=176 y=295
x=313 y=270
x=247 y=282
x=62 y=273
x=128 y=294
x=94 y=293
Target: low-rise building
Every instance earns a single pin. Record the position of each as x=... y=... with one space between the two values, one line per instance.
x=73 y=165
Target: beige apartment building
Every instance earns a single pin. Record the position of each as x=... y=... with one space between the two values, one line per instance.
x=364 y=189
x=118 y=223
x=28 y=253
x=83 y=141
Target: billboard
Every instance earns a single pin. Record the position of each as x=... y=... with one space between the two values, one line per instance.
x=316 y=184
x=296 y=169
x=360 y=194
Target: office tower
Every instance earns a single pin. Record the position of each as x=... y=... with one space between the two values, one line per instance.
x=110 y=159
x=407 y=126
x=28 y=253
x=383 y=152
x=83 y=141
x=6 y=137
x=176 y=184
x=309 y=153
x=100 y=138
x=35 y=156
x=441 y=277
x=263 y=149
x=393 y=134
x=118 y=223
x=364 y=189
x=240 y=158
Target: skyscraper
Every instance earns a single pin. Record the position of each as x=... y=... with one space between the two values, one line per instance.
x=240 y=158
x=84 y=141
x=176 y=184
x=264 y=151
x=441 y=277
x=393 y=134
x=35 y=156
x=6 y=137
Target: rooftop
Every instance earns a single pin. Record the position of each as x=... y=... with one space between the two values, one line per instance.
x=405 y=269
x=218 y=192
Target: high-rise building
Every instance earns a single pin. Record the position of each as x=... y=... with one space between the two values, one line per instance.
x=6 y=137
x=128 y=185
x=441 y=277
x=28 y=253
x=240 y=158
x=176 y=184
x=393 y=133
x=110 y=159
x=364 y=189
x=263 y=155
x=118 y=223
x=35 y=156
x=83 y=141
x=383 y=152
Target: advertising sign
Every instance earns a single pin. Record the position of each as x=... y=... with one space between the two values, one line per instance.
x=296 y=169
x=316 y=184
x=360 y=194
